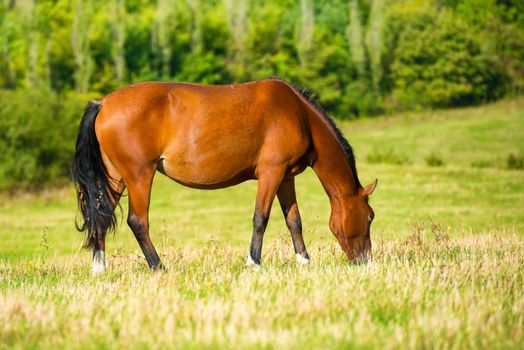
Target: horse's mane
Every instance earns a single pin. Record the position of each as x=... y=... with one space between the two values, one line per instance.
x=312 y=97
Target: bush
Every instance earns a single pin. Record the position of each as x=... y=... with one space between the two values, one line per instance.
x=515 y=161
x=434 y=160
x=483 y=164
x=388 y=156
x=434 y=60
x=37 y=136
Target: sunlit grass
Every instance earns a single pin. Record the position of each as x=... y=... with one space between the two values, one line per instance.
x=462 y=137
x=464 y=292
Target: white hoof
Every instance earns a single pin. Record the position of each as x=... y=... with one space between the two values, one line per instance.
x=99 y=263
x=301 y=260
x=251 y=263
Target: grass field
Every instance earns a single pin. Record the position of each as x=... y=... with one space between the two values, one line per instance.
x=448 y=247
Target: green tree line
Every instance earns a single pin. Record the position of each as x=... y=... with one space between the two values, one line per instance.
x=363 y=57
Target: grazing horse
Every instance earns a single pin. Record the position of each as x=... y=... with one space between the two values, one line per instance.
x=211 y=137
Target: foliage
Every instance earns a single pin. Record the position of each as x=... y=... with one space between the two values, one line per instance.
x=367 y=55
x=388 y=156
x=362 y=57
x=449 y=69
x=434 y=160
x=515 y=161
x=37 y=132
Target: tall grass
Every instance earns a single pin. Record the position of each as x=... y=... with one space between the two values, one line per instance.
x=466 y=293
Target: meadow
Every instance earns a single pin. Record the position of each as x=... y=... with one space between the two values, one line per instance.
x=448 y=268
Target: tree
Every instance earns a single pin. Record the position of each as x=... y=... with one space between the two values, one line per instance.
x=118 y=27
x=355 y=38
x=374 y=42
x=82 y=13
x=306 y=31
x=436 y=61
x=237 y=20
x=195 y=25
x=162 y=33
x=6 y=70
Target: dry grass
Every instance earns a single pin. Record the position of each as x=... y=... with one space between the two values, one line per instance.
x=463 y=293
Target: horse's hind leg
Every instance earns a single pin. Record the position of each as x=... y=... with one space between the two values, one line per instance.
x=139 y=189
x=288 y=202
x=116 y=183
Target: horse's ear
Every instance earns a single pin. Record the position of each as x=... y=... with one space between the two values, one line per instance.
x=368 y=190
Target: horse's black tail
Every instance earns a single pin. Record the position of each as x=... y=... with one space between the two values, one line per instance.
x=92 y=181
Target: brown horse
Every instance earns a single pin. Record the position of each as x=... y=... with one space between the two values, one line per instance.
x=211 y=137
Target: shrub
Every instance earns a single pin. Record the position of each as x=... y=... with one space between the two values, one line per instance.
x=434 y=160
x=37 y=136
x=388 y=156
x=482 y=164
x=515 y=161
x=434 y=60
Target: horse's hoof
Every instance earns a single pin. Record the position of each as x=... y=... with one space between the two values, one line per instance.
x=98 y=269
x=99 y=263
x=160 y=268
x=302 y=260
x=250 y=263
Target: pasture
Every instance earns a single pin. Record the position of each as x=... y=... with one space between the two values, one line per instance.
x=448 y=269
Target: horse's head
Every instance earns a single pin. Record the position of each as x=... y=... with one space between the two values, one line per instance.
x=351 y=223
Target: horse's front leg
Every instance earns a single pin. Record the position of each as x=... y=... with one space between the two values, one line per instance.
x=268 y=183
x=288 y=202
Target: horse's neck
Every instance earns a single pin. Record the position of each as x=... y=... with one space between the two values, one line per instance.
x=331 y=164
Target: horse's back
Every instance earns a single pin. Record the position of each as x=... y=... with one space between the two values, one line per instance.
x=205 y=136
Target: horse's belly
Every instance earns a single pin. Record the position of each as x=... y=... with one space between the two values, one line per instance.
x=208 y=170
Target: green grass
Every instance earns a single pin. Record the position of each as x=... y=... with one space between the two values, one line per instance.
x=448 y=248
x=461 y=137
